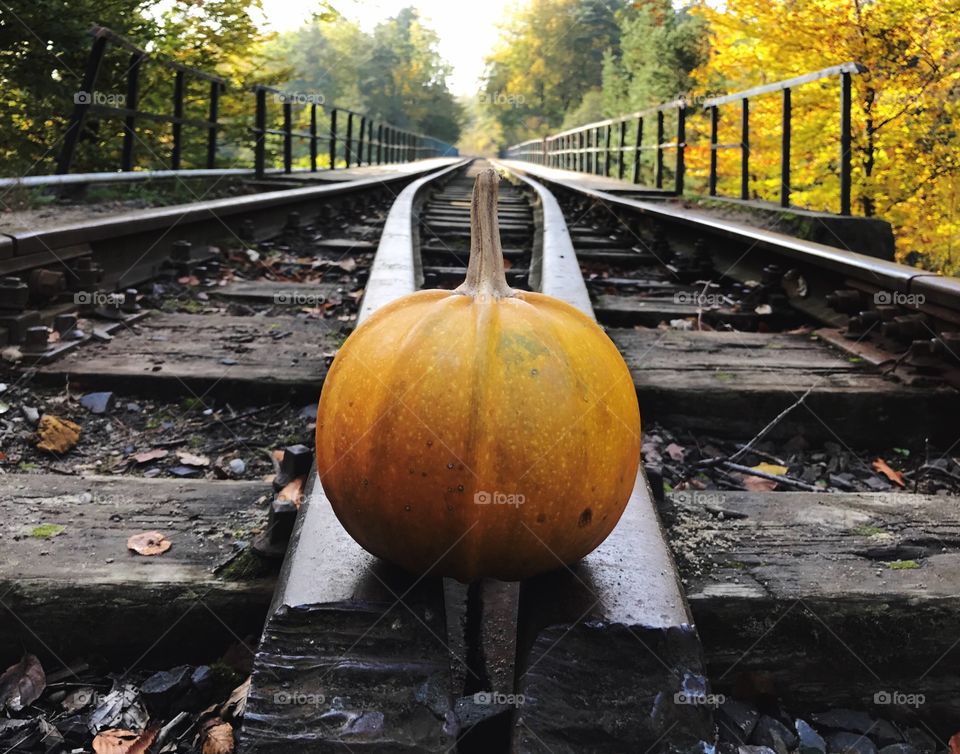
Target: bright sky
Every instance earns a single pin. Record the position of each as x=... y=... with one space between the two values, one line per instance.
x=467 y=30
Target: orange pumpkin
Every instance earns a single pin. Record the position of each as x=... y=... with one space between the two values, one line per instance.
x=480 y=432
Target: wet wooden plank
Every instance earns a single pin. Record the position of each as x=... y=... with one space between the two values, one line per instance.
x=280 y=293
x=223 y=356
x=81 y=591
x=743 y=380
x=801 y=589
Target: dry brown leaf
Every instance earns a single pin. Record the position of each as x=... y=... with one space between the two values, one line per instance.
x=192 y=459
x=893 y=475
x=150 y=455
x=347 y=265
x=149 y=543
x=22 y=684
x=218 y=739
x=293 y=491
x=758 y=484
x=117 y=741
x=675 y=451
x=236 y=705
x=56 y=435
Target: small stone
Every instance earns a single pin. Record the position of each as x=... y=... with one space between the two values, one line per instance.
x=755 y=750
x=810 y=741
x=162 y=689
x=97 y=403
x=151 y=473
x=771 y=732
x=185 y=471
x=31 y=414
x=237 y=466
x=85 y=497
x=133 y=408
x=228 y=362
x=108 y=560
x=850 y=743
x=736 y=721
x=101 y=335
x=854 y=721
x=899 y=749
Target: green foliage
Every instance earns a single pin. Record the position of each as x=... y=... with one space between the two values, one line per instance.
x=551 y=53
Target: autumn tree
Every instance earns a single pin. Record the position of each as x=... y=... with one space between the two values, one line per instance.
x=905 y=115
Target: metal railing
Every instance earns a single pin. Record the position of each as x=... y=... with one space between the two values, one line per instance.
x=365 y=141
x=370 y=143
x=591 y=148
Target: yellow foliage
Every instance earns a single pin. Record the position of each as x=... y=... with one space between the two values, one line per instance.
x=906 y=108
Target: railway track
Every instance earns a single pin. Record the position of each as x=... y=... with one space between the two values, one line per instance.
x=814 y=581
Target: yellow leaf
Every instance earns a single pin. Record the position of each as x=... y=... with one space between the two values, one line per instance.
x=770 y=468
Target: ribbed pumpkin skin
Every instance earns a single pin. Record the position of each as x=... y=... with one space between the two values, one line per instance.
x=440 y=397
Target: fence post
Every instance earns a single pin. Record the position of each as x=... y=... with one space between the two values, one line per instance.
x=81 y=103
x=580 y=153
x=130 y=122
x=178 y=116
x=620 y=144
x=313 y=137
x=213 y=119
x=287 y=137
x=370 y=142
x=360 y=135
x=606 y=151
x=745 y=148
x=637 y=151
x=348 y=142
x=333 y=138
x=659 y=174
x=259 y=129
x=681 y=147
x=380 y=144
x=845 y=143
x=714 y=127
x=785 y=150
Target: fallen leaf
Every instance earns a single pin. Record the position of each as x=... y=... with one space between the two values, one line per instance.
x=4 y=407
x=675 y=451
x=347 y=265
x=357 y=294
x=770 y=468
x=293 y=491
x=764 y=309
x=236 y=705
x=218 y=739
x=758 y=484
x=22 y=684
x=149 y=543
x=57 y=435
x=192 y=459
x=150 y=455
x=118 y=741
x=893 y=475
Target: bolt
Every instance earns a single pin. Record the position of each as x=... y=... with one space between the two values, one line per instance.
x=272 y=542
x=247 y=230
x=846 y=301
x=129 y=304
x=293 y=221
x=65 y=323
x=36 y=338
x=295 y=462
x=15 y=293
x=47 y=282
x=180 y=251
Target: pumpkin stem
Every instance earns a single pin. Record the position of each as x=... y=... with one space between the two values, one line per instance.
x=485 y=275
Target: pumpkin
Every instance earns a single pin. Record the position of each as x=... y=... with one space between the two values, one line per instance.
x=479 y=432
